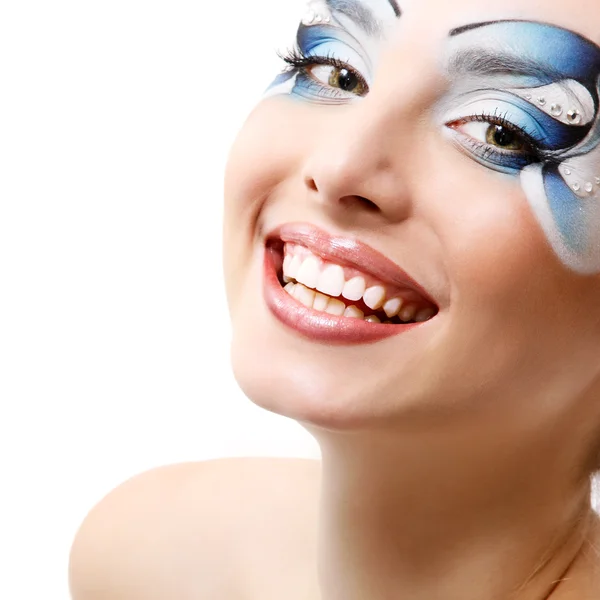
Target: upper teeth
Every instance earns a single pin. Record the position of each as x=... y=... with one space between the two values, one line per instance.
x=316 y=275
x=331 y=280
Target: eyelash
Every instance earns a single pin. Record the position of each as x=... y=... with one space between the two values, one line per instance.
x=502 y=121
x=298 y=60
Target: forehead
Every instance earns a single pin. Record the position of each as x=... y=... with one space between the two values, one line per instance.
x=580 y=16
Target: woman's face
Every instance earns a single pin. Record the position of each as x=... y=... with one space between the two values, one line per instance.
x=435 y=165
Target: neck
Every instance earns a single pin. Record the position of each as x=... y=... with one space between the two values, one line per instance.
x=427 y=518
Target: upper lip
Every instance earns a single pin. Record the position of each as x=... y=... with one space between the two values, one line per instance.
x=347 y=251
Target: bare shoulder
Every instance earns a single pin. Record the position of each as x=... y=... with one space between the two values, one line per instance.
x=215 y=529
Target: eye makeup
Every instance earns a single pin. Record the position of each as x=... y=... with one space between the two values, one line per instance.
x=543 y=82
x=338 y=36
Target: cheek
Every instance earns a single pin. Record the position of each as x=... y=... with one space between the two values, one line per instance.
x=262 y=158
x=518 y=317
x=491 y=240
x=508 y=284
x=267 y=150
x=511 y=293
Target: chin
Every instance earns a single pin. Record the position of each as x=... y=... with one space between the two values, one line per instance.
x=280 y=375
x=335 y=388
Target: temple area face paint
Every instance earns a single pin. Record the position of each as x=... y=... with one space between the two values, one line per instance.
x=533 y=89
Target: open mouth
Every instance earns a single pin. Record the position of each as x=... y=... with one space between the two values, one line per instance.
x=336 y=288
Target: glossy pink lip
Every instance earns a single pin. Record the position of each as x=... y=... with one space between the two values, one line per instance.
x=316 y=325
x=348 y=252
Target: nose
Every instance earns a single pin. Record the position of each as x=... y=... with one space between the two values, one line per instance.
x=365 y=155
x=356 y=166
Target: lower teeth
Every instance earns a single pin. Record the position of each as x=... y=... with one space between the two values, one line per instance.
x=334 y=306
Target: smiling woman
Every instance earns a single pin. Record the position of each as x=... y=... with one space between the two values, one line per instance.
x=412 y=261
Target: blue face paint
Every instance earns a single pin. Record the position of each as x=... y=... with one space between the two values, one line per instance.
x=536 y=88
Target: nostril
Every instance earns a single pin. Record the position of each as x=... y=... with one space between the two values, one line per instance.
x=350 y=200
x=311 y=184
x=368 y=204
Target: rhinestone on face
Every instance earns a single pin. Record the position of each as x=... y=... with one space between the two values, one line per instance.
x=556 y=110
x=318 y=18
x=574 y=116
x=597 y=180
x=576 y=187
x=542 y=100
x=326 y=20
x=528 y=96
x=309 y=17
x=589 y=187
x=567 y=171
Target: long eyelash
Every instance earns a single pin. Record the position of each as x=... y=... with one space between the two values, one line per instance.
x=294 y=58
x=488 y=154
x=297 y=60
x=501 y=120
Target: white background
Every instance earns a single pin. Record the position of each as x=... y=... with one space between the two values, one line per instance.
x=115 y=121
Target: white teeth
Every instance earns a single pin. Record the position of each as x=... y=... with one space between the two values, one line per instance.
x=335 y=307
x=293 y=267
x=321 y=302
x=331 y=284
x=373 y=319
x=408 y=312
x=374 y=297
x=304 y=295
x=286 y=267
x=424 y=315
x=308 y=273
x=392 y=307
x=331 y=281
x=354 y=313
x=354 y=289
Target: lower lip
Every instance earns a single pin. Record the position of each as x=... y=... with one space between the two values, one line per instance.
x=319 y=326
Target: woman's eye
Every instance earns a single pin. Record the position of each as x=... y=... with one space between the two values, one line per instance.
x=339 y=78
x=495 y=135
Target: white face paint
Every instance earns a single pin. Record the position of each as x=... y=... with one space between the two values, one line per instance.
x=567 y=101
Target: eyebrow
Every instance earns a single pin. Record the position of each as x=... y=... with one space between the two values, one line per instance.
x=361 y=14
x=458 y=30
x=484 y=62
x=395 y=8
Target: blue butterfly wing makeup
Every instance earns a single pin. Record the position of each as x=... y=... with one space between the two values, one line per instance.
x=552 y=77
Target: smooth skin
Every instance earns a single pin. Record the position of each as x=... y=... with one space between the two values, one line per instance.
x=228 y=529
x=456 y=458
